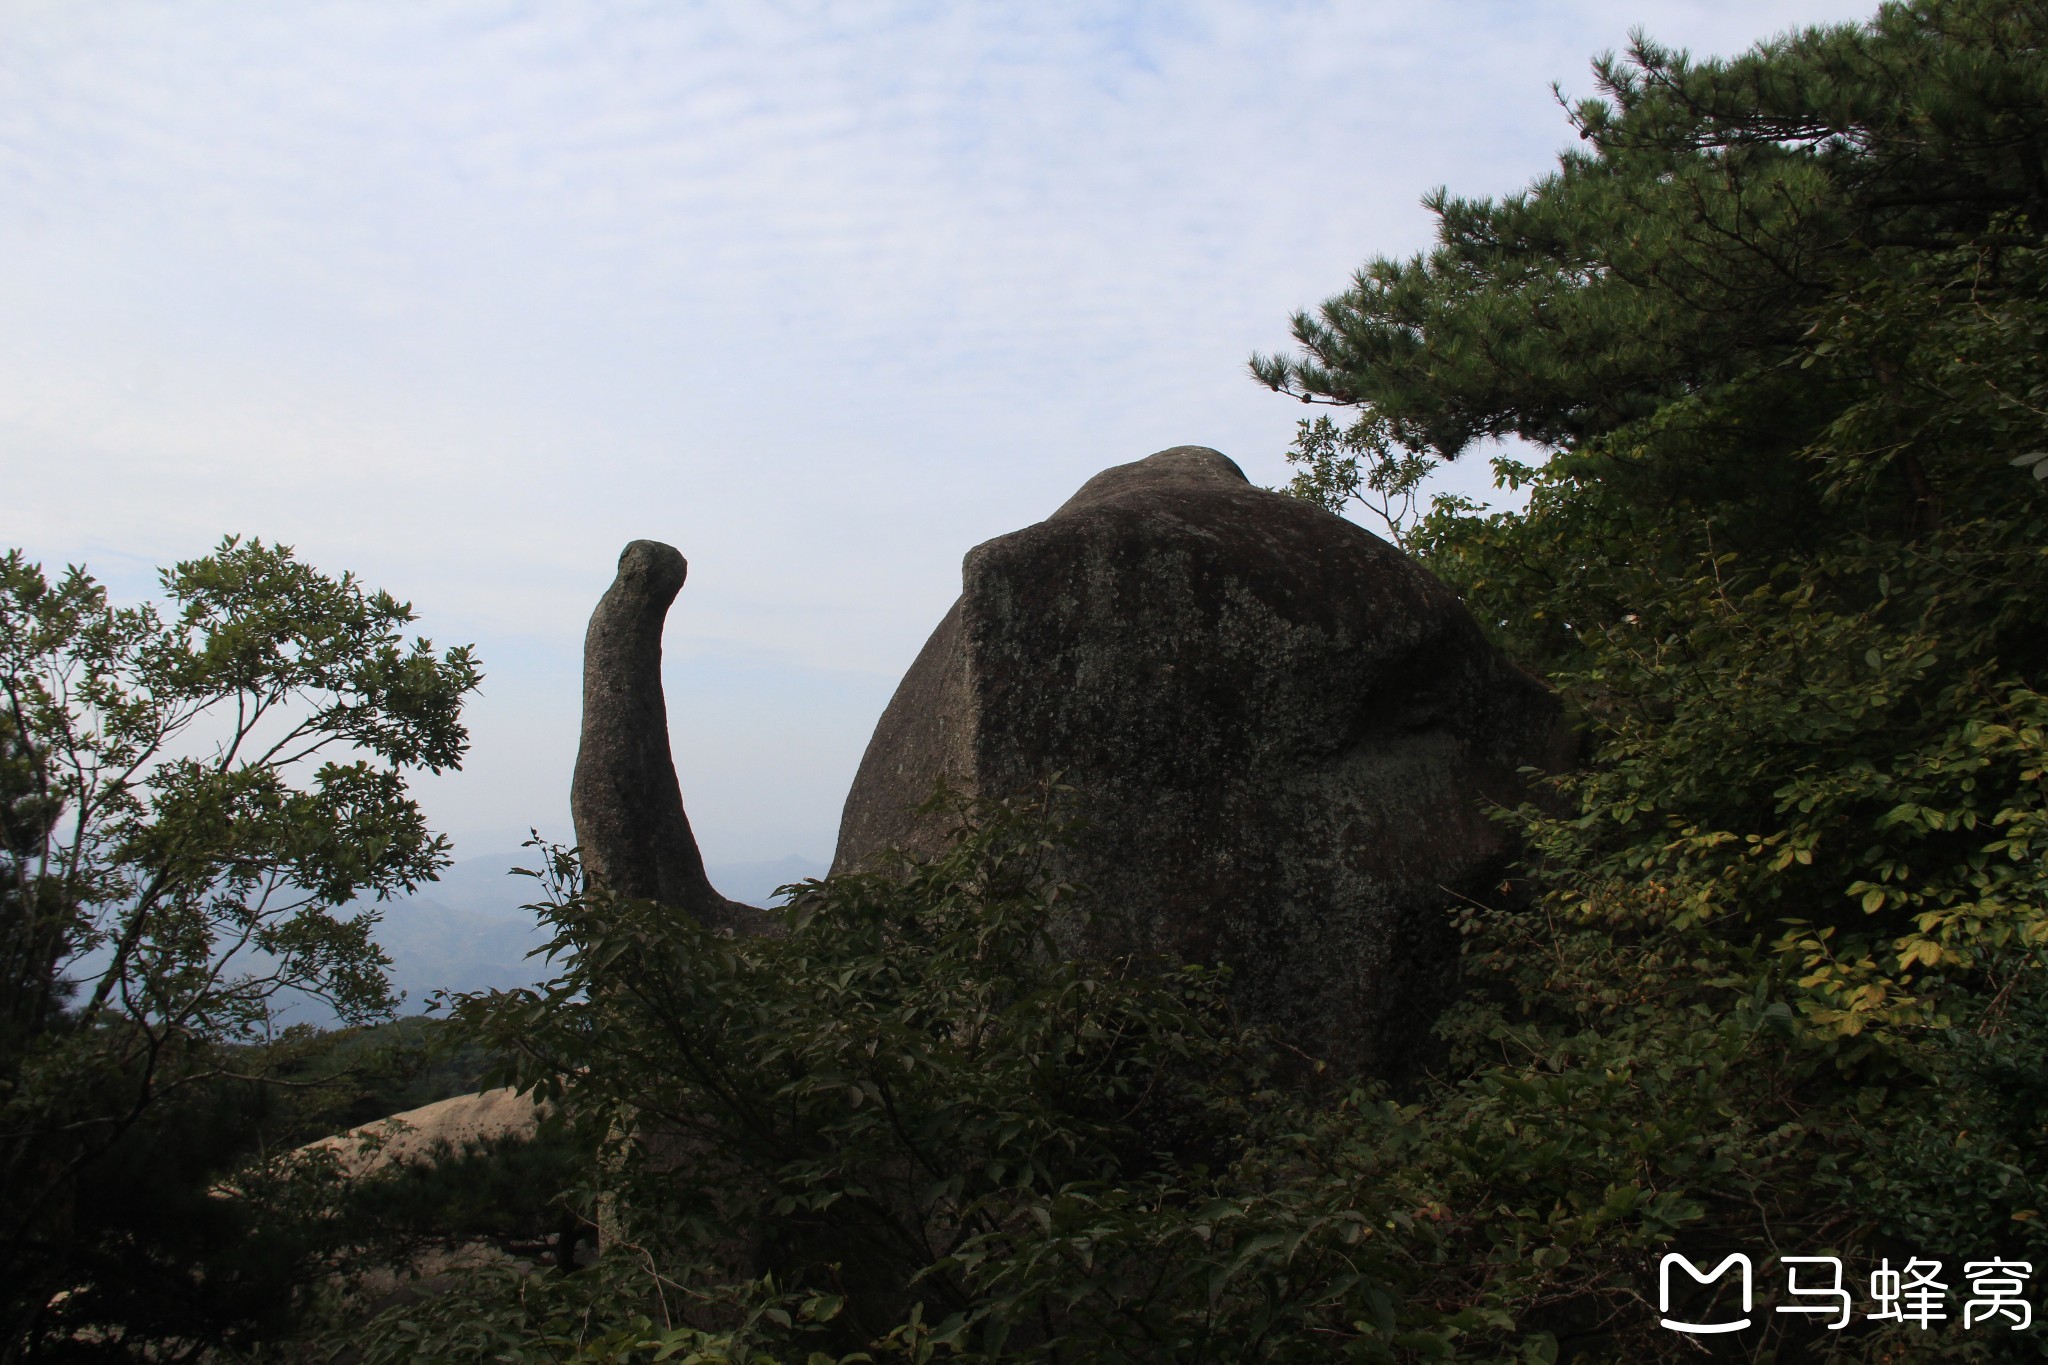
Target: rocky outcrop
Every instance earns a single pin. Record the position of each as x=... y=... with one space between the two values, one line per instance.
x=1287 y=735
x=624 y=797
x=444 y=1128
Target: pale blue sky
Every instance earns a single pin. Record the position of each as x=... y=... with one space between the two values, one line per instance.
x=463 y=296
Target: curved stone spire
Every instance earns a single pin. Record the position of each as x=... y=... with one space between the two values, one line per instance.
x=624 y=798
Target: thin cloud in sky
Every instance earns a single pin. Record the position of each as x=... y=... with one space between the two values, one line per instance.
x=465 y=295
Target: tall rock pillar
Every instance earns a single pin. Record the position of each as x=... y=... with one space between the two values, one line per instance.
x=626 y=802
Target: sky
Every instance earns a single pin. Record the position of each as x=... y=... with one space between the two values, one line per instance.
x=464 y=295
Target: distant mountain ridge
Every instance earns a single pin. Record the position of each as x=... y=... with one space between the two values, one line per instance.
x=487 y=884
x=470 y=930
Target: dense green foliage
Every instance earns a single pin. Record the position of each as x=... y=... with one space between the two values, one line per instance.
x=908 y=1102
x=908 y=1127
x=1782 y=325
x=1785 y=323
x=187 y=800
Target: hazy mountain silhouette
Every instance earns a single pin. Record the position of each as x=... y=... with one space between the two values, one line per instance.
x=469 y=931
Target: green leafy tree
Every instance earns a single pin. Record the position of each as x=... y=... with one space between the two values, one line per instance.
x=1781 y=323
x=189 y=797
x=870 y=1104
x=1361 y=463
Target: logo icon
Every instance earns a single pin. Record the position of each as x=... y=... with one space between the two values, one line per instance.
x=1700 y=1277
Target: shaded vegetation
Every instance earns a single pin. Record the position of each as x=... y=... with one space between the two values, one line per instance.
x=188 y=794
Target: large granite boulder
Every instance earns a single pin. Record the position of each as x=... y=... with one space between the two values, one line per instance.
x=1286 y=734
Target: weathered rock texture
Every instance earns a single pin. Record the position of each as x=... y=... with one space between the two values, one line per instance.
x=624 y=797
x=1287 y=735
